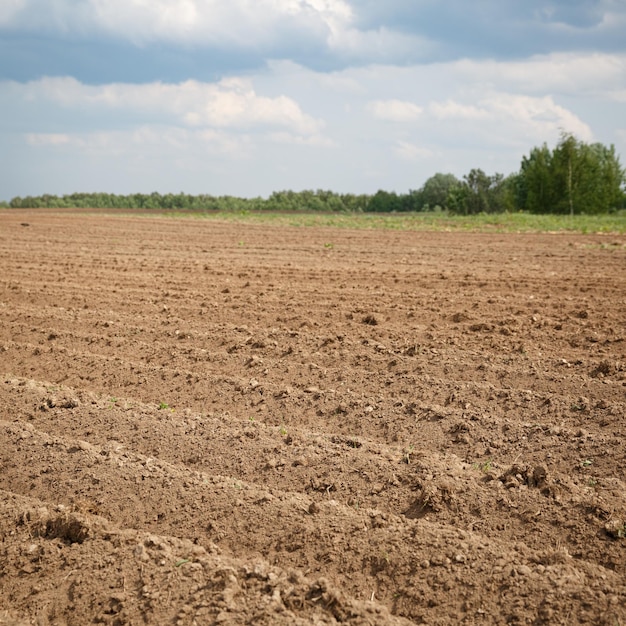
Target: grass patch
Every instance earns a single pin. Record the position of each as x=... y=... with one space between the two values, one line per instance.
x=438 y=221
x=435 y=222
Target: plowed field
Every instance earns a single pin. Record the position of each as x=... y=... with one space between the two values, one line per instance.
x=204 y=422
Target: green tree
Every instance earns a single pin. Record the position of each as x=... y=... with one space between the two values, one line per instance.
x=613 y=177
x=481 y=193
x=503 y=192
x=478 y=184
x=536 y=191
x=436 y=190
x=385 y=202
x=576 y=172
x=575 y=177
x=413 y=201
x=355 y=203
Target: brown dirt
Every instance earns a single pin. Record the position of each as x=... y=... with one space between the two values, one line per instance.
x=203 y=422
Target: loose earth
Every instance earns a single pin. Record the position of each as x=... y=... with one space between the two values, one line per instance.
x=207 y=422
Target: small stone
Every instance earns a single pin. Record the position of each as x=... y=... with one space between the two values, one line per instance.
x=616 y=529
x=141 y=553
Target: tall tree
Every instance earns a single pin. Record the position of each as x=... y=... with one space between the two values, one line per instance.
x=385 y=202
x=536 y=188
x=435 y=191
x=481 y=193
x=575 y=177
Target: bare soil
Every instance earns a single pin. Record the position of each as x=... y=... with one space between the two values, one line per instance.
x=213 y=423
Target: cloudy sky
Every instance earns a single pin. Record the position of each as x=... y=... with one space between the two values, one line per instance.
x=246 y=97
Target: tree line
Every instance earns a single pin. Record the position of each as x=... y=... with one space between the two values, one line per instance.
x=573 y=178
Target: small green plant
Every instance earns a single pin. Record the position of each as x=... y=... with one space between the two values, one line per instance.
x=282 y=431
x=407 y=455
x=616 y=529
x=328 y=245
x=181 y=562
x=163 y=406
x=354 y=443
x=485 y=466
x=586 y=463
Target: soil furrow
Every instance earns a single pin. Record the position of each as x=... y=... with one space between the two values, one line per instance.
x=205 y=422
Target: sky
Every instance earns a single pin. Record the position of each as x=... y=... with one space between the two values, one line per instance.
x=247 y=97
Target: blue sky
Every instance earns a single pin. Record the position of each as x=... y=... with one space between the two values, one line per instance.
x=246 y=97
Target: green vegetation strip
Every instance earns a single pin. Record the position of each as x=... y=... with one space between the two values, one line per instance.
x=614 y=223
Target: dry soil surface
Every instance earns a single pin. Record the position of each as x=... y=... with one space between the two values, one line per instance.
x=204 y=422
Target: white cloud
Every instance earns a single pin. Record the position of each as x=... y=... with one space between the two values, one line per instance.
x=263 y=28
x=556 y=73
x=299 y=140
x=395 y=110
x=48 y=139
x=508 y=117
x=231 y=103
x=612 y=19
x=241 y=22
x=144 y=140
x=381 y=45
x=9 y=9
x=541 y=117
x=411 y=152
x=237 y=21
x=455 y=110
